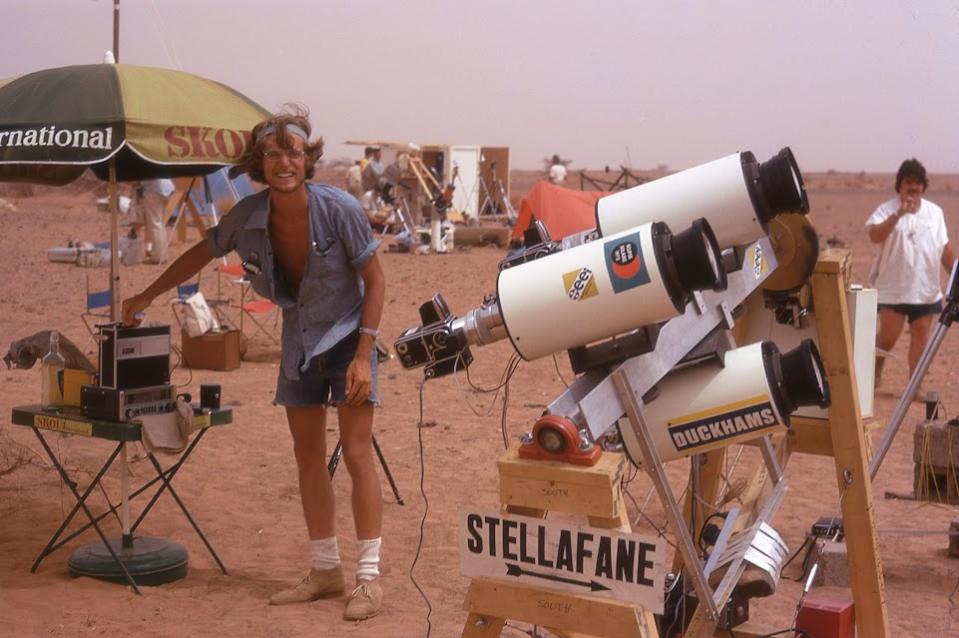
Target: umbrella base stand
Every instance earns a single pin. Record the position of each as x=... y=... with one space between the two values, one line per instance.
x=149 y=561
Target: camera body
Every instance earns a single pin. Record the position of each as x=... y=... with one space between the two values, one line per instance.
x=435 y=345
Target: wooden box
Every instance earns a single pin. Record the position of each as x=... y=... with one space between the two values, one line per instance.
x=212 y=351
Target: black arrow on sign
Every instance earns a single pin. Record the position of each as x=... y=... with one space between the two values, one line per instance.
x=516 y=570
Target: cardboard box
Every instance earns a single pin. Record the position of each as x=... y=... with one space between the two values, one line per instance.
x=72 y=380
x=212 y=351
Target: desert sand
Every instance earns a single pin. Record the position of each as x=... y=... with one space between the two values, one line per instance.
x=241 y=482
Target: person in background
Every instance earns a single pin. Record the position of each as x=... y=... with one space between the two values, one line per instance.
x=910 y=232
x=557 y=171
x=354 y=180
x=373 y=169
x=309 y=248
x=151 y=202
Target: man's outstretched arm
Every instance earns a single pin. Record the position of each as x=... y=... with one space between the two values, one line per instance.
x=185 y=266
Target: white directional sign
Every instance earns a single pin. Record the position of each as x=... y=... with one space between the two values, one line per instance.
x=557 y=555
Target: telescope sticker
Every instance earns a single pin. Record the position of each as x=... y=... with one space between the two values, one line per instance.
x=756 y=259
x=625 y=263
x=724 y=422
x=580 y=284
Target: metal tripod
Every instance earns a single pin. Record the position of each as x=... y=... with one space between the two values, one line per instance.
x=338 y=453
x=949 y=314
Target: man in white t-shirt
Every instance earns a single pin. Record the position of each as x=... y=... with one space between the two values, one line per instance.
x=557 y=171
x=911 y=234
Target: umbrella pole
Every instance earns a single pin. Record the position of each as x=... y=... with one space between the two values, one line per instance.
x=114 y=244
x=127 y=540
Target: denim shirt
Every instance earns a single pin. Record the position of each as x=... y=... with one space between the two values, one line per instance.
x=330 y=299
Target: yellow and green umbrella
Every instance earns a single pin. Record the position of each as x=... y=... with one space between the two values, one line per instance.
x=124 y=122
x=153 y=122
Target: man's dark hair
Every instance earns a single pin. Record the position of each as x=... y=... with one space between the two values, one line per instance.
x=251 y=161
x=912 y=168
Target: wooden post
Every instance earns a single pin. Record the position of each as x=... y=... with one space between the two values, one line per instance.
x=848 y=444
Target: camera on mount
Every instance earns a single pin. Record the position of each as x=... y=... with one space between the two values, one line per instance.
x=434 y=345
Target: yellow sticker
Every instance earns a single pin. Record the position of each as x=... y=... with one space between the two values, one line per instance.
x=63 y=425
x=580 y=284
x=756 y=261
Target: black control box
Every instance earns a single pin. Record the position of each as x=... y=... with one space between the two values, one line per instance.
x=134 y=357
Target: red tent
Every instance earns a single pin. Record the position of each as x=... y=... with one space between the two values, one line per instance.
x=563 y=210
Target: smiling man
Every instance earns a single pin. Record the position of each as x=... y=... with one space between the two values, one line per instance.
x=910 y=232
x=310 y=249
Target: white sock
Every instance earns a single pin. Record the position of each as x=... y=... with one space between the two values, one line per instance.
x=326 y=553
x=368 y=558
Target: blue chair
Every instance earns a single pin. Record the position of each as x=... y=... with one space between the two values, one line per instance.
x=183 y=291
x=94 y=314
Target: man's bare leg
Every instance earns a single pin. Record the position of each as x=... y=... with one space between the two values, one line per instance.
x=919 y=331
x=356 y=435
x=890 y=327
x=308 y=427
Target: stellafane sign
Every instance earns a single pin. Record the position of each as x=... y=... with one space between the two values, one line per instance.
x=556 y=555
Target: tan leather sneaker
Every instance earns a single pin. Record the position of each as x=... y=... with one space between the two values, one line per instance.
x=365 y=601
x=320 y=583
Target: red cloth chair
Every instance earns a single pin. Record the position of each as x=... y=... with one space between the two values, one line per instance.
x=257 y=310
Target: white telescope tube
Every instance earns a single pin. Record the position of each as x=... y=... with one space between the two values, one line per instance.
x=738 y=195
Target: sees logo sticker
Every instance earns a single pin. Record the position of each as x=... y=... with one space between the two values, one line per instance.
x=625 y=263
x=580 y=284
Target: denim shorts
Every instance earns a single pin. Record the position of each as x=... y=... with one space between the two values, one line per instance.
x=324 y=382
x=914 y=310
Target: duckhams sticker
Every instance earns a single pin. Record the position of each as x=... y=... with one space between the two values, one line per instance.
x=580 y=284
x=625 y=263
x=726 y=422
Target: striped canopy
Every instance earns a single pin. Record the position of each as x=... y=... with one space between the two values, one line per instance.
x=155 y=122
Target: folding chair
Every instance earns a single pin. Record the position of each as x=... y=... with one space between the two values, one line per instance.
x=183 y=292
x=253 y=307
x=93 y=314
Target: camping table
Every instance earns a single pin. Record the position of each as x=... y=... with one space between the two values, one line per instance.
x=71 y=421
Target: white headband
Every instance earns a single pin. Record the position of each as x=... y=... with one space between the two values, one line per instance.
x=270 y=129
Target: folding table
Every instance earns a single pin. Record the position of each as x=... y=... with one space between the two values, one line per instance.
x=149 y=560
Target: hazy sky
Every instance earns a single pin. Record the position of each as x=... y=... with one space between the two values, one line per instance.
x=848 y=85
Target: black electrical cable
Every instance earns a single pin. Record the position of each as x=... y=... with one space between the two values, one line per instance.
x=807 y=544
x=426 y=510
x=179 y=361
x=514 y=363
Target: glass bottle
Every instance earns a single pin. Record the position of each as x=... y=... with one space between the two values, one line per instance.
x=51 y=371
